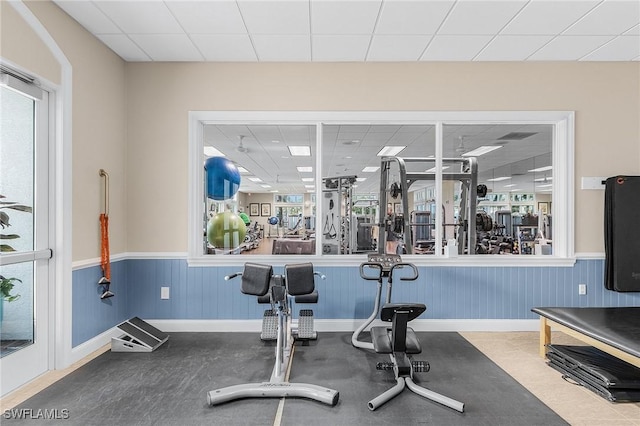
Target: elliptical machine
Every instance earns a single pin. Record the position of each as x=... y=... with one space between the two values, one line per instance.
x=398 y=341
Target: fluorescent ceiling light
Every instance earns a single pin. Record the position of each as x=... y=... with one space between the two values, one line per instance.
x=514 y=190
x=266 y=186
x=210 y=151
x=481 y=150
x=274 y=190
x=300 y=151
x=305 y=169
x=510 y=185
x=390 y=150
x=311 y=190
x=242 y=169
x=543 y=179
x=433 y=169
x=498 y=179
x=255 y=179
x=541 y=169
x=361 y=179
x=307 y=179
x=370 y=169
x=546 y=185
x=309 y=186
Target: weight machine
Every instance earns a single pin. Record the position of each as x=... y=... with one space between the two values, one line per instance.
x=467 y=174
x=338 y=228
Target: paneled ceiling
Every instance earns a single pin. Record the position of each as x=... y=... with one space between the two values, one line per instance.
x=364 y=30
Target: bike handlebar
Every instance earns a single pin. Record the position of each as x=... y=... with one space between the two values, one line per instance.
x=389 y=272
x=232 y=276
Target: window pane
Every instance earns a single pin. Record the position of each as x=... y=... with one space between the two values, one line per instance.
x=16 y=173
x=514 y=164
x=262 y=203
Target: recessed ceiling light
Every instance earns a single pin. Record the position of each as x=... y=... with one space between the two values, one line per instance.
x=498 y=179
x=541 y=169
x=348 y=157
x=481 y=150
x=255 y=179
x=390 y=151
x=546 y=185
x=242 y=169
x=352 y=142
x=510 y=185
x=370 y=169
x=305 y=169
x=210 y=151
x=544 y=179
x=308 y=179
x=311 y=190
x=300 y=150
x=433 y=169
x=361 y=179
x=309 y=186
x=514 y=190
x=266 y=186
x=275 y=141
x=274 y=190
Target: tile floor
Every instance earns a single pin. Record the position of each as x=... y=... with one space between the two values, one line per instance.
x=514 y=352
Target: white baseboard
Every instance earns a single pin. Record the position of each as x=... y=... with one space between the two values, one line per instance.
x=321 y=325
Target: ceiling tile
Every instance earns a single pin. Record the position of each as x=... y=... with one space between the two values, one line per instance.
x=167 y=47
x=569 y=48
x=608 y=18
x=454 y=48
x=397 y=47
x=89 y=16
x=225 y=48
x=275 y=17
x=480 y=17
x=208 y=17
x=141 y=17
x=544 y=17
x=512 y=47
x=284 y=48
x=411 y=17
x=339 y=48
x=344 y=17
x=623 y=48
x=124 y=47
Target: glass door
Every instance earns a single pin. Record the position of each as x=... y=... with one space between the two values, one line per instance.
x=24 y=234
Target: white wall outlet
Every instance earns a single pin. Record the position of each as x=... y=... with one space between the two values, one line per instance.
x=164 y=292
x=582 y=289
x=593 y=182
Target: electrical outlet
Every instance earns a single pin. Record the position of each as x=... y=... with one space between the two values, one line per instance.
x=582 y=289
x=164 y=292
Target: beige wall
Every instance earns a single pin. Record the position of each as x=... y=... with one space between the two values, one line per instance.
x=98 y=117
x=604 y=96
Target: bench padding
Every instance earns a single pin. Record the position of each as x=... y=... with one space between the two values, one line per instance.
x=617 y=327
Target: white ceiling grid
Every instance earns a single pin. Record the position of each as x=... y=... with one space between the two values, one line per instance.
x=364 y=30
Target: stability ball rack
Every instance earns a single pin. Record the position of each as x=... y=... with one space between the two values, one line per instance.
x=467 y=175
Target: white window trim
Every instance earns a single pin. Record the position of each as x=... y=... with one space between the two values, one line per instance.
x=562 y=199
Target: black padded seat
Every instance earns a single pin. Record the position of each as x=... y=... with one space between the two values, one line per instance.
x=617 y=327
x=307 y=298
x=300 y=279
x=256 y=278
x=381 y=338
x=389 y=309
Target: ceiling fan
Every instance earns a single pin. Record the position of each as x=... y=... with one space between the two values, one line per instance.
x=241 y=147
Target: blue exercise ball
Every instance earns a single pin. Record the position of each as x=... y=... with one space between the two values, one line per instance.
x=273 y=220
x=223 y=178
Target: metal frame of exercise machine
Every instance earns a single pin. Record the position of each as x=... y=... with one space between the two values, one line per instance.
x=467 y=175
x=399 y=314
x=256 y=281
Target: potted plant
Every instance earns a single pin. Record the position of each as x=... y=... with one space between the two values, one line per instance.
x=6 y=286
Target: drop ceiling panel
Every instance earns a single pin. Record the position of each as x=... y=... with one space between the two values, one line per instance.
x=225 y=48
x=512 y=48
x=156 y=17
x=208 y=17
x=344 y=17
x=544 y=17
x=569 y=48
x=387 y=48
x=611 y=17
x=282 y=48
x=92 y=18
x=411 y=17
x=454 y=48
x=480 y=17
x=623 y=48
x=124 y=47
x=339 y=48
x=167 y=47
x=284 y=17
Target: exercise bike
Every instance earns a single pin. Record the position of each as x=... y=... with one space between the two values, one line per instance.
x=398 y=341
x=296 y=283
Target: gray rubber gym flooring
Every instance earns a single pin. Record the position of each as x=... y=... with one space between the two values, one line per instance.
x=169 y=386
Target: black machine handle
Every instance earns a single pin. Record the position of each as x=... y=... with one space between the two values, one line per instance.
x=322 y=276
x=373 y=265
x=402 y=265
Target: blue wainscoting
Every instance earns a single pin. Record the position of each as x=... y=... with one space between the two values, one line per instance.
x=449 y=293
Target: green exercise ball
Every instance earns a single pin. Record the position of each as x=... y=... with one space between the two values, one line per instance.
x=245 y=218
x=226 y=230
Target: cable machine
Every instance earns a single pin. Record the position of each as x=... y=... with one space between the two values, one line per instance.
x=467 y=174
x=338 y=227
